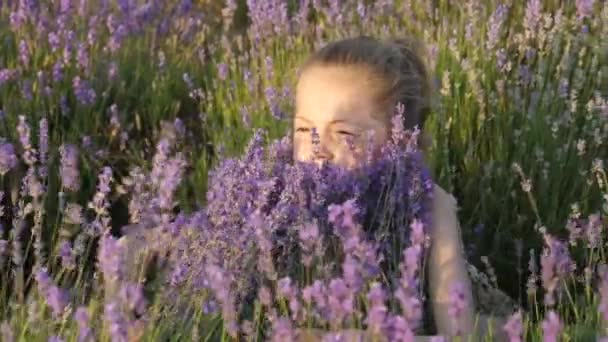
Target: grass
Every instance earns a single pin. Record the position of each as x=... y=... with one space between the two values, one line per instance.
x=487 y=118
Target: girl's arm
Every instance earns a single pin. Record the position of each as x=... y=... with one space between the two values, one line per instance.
x=447 y=267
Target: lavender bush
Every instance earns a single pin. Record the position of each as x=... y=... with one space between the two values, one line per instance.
x=113 y=113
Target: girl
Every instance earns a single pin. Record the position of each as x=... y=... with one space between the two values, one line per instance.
x=352 y=86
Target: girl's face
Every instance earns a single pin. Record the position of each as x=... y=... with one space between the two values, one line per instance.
x=339 y=103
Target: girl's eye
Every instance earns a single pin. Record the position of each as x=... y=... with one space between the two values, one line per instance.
x=346 y=133
x=303 y=129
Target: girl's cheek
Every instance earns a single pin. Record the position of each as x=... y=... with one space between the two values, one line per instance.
x=296 y=149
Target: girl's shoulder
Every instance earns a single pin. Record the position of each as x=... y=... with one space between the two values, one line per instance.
x=443 y=202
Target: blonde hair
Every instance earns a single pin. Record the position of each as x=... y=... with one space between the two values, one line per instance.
x=398 y=64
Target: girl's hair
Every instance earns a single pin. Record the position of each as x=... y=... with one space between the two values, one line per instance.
x=398 y=65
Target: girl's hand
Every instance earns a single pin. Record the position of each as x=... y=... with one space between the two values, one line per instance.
x=447 y=267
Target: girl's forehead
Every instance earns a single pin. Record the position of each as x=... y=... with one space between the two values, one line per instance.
x=337 y=87
x=340 y=76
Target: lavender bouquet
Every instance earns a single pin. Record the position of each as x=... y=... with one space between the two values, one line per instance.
x=325 y=242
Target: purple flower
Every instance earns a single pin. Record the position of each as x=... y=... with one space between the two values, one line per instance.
x=116 y=39
x=133 y=295
x=70 y=175
x=556 y=265
x=26 y=90
x=43 y=280
x=525 y=75
x=116 y=322
x=514 y=327
x=532 y=16
x=220 y=283
x=82 y=56
x=282 y=330
x=458 y=302
x=54 y=41
x=73 y=214
x=267 y=204
x=83 y=92
x=309 y=240
x=24 y=53
x=551 y=327
x=8 y=159
x=222 y=71
x=343 y=216
x=43 y=145
x=179 y=274
x=57 y=299
x=81 y=316
x=264 y=296
x=17 y=19
x=166 y=174
x=272 y=99
x=68 y=51
x=340 y=300
x=267 y=17
x=361 y=9
x=7 y=75
x=57 y=72
x=23 y=129
x=593 y=230
x=55 y=339
x=100 y=203
x=584 y=8
x=399 y=329
x=110 y=258
x=65 y=6
x=495 y=26
x=377 y=314
x=418 y=235
x=249 y=79
x=289 y=291
x=125 y=6
x=92 y=36
x=67 y=257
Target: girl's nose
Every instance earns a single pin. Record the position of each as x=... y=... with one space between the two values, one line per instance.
x=322 y=154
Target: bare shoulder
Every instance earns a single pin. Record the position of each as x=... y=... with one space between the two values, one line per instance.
x=444 y=214
x=443 y=200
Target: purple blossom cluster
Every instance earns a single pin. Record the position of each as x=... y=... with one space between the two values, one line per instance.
x=56 y=298
x=312 y=246
x=8 y=158
x=556 y=266
x=268 y=218
x=76 y=47
x=70 y=175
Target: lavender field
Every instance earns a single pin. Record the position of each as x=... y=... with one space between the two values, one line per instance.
x=169 y=120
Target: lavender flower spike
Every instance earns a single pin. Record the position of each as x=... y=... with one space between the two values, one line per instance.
x=8 y=158
x=514 y=327
x=457 y=302
x=551 y=327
